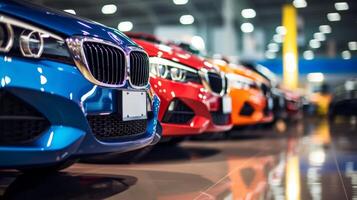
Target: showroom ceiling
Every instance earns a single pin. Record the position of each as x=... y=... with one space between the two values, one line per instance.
x=146 y=14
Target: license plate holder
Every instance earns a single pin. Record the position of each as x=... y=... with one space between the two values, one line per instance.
x=226 y=104
x=134 y=105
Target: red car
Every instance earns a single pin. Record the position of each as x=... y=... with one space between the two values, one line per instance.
x=192 y=91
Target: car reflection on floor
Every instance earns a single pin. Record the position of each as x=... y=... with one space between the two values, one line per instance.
x=310 y=159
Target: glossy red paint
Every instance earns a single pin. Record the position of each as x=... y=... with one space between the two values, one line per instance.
x=194 y=95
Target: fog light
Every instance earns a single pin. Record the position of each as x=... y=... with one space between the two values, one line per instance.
x=31 y=44
x=6 y=37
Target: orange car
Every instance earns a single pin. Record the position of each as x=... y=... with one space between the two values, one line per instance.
x=251 y=103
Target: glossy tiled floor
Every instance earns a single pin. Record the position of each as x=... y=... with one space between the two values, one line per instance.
x=311 y=159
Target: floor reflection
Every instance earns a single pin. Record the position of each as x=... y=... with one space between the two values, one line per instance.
x=62 y=186
x=310 y=159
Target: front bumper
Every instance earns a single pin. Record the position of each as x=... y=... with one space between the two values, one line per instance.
x=198 y=100
x=60 y=93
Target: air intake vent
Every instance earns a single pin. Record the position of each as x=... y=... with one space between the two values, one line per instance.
x=139 y=69
x=106 y=63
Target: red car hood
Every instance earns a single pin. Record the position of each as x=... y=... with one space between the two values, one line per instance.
x=175 y=54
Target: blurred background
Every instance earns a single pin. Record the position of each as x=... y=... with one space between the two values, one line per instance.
x=243 y=30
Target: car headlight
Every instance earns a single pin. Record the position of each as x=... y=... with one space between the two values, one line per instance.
x=170 y=70
x=240 y=82
x=24 y=40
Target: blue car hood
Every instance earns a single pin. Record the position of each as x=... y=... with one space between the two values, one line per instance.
x=60 y=22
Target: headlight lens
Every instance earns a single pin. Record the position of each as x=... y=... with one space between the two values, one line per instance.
x=170 y=70
x=240 y=82
x=21 y=39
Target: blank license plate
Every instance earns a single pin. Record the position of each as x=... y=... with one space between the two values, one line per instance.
x=134 y=105
x=227 y=104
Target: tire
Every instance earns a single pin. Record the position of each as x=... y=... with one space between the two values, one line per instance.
x=49 y=169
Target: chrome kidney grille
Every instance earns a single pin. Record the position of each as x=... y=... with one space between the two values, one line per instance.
x=106 y=63
x=139 y=69
x=216 y=82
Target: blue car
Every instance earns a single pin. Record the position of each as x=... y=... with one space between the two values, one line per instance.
x=69 y=87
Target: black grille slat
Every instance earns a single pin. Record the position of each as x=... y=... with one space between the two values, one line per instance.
x=139 y=68
x=105 y=62
x=215 y=82
x=181 y=113
x=109 y=127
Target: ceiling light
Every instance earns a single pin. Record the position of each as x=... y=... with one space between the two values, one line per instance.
x=333 y=17
x=299 y=3
x=325 y=29
x=270 y=55
x=352 y=46
x=109 y=9
x=70 y=11
x=315 y=44
x=341 y=6
x=198 y=42
x=125 y=26
x=247 y=27
x=346 y=55
x=281 y=30
x=248 y=13
x=187 y=19
x=316 y=77
x=319 y=36
x=273 y=47
x=180 y=2
x=308 y=55
x=278 y=38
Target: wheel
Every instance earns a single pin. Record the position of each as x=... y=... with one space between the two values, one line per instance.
x=49 y=168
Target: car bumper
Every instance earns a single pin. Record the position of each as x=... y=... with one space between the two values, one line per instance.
x=201 y=103
x=61 y=94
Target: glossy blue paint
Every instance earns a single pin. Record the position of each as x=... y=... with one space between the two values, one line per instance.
x=61 y=93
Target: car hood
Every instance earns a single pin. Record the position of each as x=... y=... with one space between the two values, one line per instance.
x=175 y=54
x=62 y=23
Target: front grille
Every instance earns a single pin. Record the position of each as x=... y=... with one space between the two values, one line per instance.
x=106 y=63
x=219 y=118
x=215 y=82
x=19 y=122
x=247 y=110
x=109 y=127
x=180 y=113
x=139 y=69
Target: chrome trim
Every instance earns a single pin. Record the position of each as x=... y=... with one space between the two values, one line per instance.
x=25 y=40
x=10 y=33
x=203 y=72
x=136 y=49
x=75 y=46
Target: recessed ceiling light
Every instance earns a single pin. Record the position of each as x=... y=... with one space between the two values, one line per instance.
x=281 y=30
x=270 y=55
x=125 y=26
x=333 y=17
x=180 y=2
x=315 y=44
x=273 y=47
x=299 y=3
x=319 y=36
x=247 y=27
x=248 y=13
x=325 y=29
x=70 y=11
x=278 y=38
x=352 y=45
x=187 y=19
x=346 y=55
x=109 y=9
x=341 y=6
x=308 y=55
